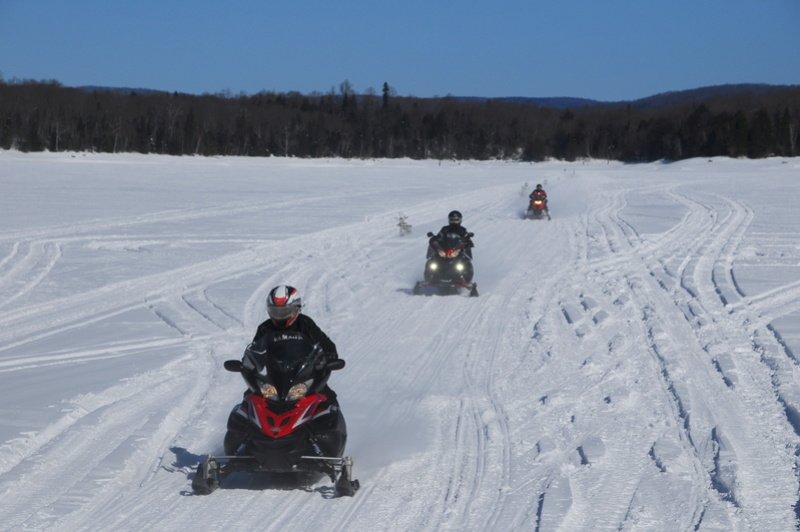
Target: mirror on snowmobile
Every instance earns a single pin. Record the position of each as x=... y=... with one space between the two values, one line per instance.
x=233 y=365
x=333 y=365
x=430 y=234
x=470 y=235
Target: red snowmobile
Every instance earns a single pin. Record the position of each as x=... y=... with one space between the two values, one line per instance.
x=537 y=209
x=286 y=424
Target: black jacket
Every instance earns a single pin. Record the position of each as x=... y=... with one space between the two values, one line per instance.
x=445 y=231
x=305 y=325
x=460 y=230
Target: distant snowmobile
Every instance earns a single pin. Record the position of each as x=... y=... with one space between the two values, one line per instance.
x=537 y=209
x=285 y=425
x=448 y=269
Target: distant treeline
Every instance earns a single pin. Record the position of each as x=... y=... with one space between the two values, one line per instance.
x=44 y=115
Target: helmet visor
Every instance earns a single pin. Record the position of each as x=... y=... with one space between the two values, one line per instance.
x=282 y=313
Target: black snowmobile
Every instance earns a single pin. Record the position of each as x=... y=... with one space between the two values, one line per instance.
x=289 y=422
x=448 y=269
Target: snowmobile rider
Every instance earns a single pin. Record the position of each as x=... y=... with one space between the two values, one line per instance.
x=539 y=193
x=454 y=227
x=283 y=307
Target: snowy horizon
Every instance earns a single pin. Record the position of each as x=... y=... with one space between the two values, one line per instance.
x=629 y=365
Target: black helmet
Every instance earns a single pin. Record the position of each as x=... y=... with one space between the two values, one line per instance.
x=454 y=218
x=283 y=305
x=538 y=187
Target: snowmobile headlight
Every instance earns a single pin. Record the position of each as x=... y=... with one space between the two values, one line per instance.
x=268 y=391
x=460 y=267
x=433 y=266
x=454 y=252
x=442 y=253
x=297 y=392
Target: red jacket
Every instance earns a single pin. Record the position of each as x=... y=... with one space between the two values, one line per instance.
x=539 y=194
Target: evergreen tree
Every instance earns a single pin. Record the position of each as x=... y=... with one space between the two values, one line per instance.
x=385 y=95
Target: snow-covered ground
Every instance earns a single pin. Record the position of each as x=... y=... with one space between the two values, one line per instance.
x=632 y=364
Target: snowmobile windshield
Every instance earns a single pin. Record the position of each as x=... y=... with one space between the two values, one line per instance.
x=447 y=241
x=290 y=359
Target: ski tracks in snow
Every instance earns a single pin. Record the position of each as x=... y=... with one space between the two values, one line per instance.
x=734 y=439
x=667 y=309
x=80 y=464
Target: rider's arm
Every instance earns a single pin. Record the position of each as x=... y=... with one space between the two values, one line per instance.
x=308 y=326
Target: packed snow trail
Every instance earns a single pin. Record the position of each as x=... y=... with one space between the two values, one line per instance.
x=629 y=365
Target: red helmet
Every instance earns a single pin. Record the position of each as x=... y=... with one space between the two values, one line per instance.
x=283 y=305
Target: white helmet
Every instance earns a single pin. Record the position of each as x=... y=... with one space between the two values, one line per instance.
x=283 y=305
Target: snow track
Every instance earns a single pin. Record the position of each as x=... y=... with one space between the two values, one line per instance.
x=627 y=365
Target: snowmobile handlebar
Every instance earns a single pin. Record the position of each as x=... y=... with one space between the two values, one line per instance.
x=335 y=364
x=468 y=235
x=236 y=366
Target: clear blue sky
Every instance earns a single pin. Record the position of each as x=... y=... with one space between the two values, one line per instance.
x=600 y=49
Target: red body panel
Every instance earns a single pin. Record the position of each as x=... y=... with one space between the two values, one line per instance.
x=277 y=425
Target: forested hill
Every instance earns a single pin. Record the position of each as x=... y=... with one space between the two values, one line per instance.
x=732 y=120
x=657 y=100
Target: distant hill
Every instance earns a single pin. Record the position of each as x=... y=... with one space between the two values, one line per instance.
x=118 y=90
x=668 y=98
x=564 y=102
x=557 y=102
x=657 y=100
